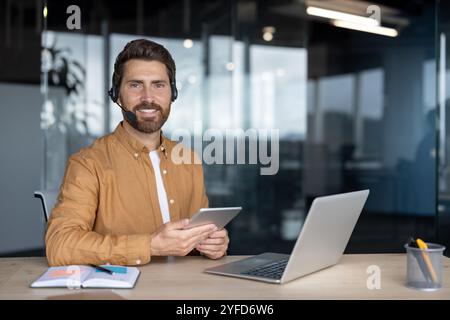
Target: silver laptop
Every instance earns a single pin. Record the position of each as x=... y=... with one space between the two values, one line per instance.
x=321 y=242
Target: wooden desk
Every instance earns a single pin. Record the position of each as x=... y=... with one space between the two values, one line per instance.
x=182 y=278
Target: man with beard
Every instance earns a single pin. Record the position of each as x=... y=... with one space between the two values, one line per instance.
x=123 y=199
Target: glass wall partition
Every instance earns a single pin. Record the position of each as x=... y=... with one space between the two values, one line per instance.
x=281 y=104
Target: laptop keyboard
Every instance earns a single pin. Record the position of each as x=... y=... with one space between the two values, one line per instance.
x=273 y=270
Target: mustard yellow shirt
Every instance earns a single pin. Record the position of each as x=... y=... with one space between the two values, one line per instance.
x=108 y=203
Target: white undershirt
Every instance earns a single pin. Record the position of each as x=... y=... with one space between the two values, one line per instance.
x=162 y=196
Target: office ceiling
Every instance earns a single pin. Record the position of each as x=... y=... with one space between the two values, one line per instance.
x=180 y=17
x=244 y=19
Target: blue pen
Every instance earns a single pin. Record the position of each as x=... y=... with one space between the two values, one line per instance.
x=100 y=268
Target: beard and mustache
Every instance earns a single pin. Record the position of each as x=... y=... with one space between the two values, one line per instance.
x=149 y=125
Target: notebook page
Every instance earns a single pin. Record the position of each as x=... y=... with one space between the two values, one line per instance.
x=124 y=278
x=68 y=276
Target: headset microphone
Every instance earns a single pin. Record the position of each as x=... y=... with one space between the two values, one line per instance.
x=131 y=117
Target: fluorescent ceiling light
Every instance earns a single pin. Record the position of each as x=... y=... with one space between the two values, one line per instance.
x=337 y=15
x=372 y=29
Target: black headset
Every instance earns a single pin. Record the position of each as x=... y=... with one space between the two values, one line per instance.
x=114 y=92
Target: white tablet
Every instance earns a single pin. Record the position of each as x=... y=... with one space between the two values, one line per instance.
x=218 y=216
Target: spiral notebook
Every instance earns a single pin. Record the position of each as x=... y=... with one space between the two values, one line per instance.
x=79 y=276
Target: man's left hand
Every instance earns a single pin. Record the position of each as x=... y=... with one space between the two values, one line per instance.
x=215 y=246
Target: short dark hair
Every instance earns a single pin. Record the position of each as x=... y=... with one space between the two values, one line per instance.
x=143 y=49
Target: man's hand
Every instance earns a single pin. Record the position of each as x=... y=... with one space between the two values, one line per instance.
x=172 y=240
x=215 y=246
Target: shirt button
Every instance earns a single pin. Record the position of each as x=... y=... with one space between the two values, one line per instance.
x=136 y=155
x=138 y=261
x=172 y=201
x=164 y=171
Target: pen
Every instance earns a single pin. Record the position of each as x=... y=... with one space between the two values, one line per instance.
x=100 y=268
x=420 y=260
x=422 y=245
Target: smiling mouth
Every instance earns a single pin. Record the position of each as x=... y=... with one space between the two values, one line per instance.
x=148 y=111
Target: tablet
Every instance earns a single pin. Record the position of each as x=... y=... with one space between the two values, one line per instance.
x=218 y=216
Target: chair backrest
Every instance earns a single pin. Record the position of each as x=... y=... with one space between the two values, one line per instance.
x=48 y=200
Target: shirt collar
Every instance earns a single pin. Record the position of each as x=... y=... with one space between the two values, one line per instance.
x=134 y=146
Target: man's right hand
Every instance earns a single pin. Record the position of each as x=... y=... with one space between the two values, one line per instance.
x=172 y=240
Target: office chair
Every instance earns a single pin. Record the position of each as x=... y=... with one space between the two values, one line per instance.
x=48 y=200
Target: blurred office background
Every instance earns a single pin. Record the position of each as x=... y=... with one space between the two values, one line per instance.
x=354 y=109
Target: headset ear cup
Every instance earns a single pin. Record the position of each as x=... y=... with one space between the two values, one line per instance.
x=116 y=94
x=174 y=91
x=113 y=94
x=110 y=94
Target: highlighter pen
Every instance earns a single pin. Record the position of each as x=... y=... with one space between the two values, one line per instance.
x=412 y=243
x=422 y=245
